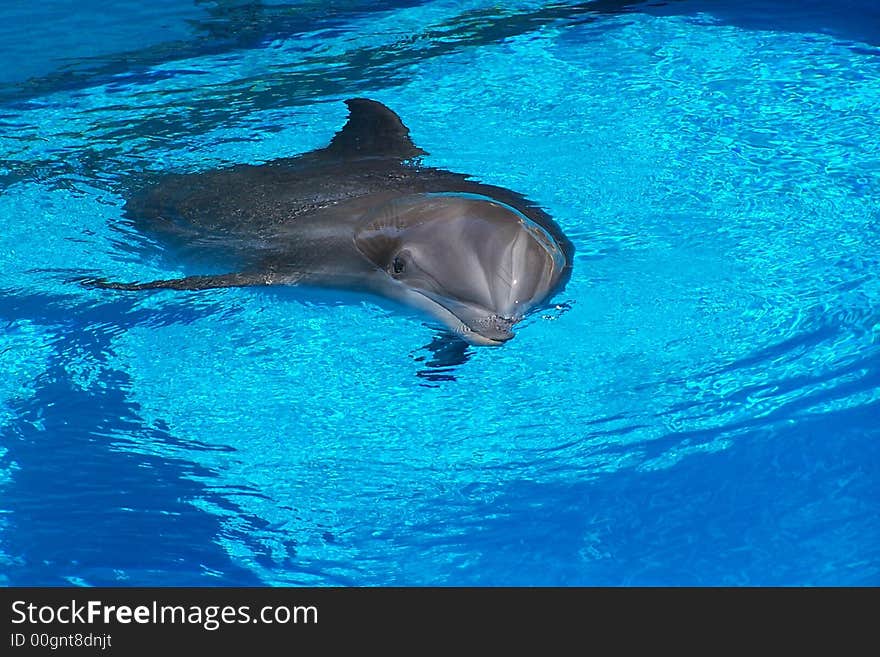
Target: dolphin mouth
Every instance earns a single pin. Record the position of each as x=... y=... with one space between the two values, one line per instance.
x=472 y=323
x=494 y=329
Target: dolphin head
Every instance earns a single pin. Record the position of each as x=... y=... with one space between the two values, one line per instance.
x=473 y=263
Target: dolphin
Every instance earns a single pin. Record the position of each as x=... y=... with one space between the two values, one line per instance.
x=364 y=214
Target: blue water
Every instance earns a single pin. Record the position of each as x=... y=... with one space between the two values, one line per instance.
x=703 y=408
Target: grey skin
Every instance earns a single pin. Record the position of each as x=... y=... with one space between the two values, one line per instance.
x=362 y=214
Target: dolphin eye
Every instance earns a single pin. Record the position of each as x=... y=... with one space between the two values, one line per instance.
x=398 y=265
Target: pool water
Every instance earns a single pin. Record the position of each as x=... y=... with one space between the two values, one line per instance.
x=701 y=408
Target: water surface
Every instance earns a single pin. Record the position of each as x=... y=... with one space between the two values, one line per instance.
x=702 y=409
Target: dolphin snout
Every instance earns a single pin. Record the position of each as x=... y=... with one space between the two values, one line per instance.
x=496 y=329
x=472 y=322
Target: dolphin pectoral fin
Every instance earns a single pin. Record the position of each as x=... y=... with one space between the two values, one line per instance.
x=372 y=130
x=190 y=283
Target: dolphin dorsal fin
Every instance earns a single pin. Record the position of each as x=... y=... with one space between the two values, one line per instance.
x=372 y=130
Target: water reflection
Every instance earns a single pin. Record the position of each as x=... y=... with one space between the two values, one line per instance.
x=91 y=500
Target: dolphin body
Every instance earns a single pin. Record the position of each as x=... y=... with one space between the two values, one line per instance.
x=363 y=214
